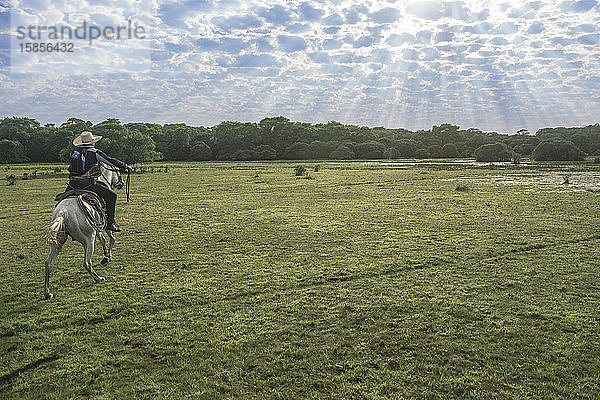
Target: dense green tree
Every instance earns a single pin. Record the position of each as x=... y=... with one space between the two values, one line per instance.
x=297 y=151
x=342 y=152
x=12 y=151
x=493 y=152
x=422 y=153
x=200 y=152
x=435 y=150
x=318 y=150
x=449 y=150
x=370 y=150
x=244 y=155
x=274 y=137
x=137 y=147
x=391 y=153
x=76 y=126
x=265 y=152
x=557 y=150
x=406 y=148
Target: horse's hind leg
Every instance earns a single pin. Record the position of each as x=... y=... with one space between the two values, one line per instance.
x=49 y=264
x=89 y=252
x=111 y=240
x=106 y=250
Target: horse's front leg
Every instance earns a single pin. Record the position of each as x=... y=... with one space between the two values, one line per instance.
x=106 y=250
x=87 y=264
x=49 y=264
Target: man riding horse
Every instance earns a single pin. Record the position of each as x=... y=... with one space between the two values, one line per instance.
x=84 y=171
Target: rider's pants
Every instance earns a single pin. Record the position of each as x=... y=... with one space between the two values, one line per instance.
x=109 y=197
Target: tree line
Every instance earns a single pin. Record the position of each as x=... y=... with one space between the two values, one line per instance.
x=26 y=140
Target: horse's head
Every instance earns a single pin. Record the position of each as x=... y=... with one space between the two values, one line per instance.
x=111 y=177
x=119 y=182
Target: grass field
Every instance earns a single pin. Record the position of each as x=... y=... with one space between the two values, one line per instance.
x=374 y=281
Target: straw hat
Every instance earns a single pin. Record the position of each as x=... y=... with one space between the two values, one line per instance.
x=86 y=138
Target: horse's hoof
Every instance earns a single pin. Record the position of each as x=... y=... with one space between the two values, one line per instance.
x=105 y=261
x=48 y=296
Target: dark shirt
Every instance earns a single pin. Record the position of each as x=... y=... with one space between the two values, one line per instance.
x=85 y=157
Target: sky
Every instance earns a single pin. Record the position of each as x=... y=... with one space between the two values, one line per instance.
x=494 y=65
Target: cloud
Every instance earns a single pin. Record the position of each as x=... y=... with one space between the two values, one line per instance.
x=577 y=6
x=410 y=54
x=589 y=39
x=457 y=10
x=298 y=28
x=444 y=37
x=551 y=54
x=398 y=39
x=468 y=53
x=173 y=13
x=535 y=28
x=562 y=41
x=385 y=15
x=424 y=37
x=320 y=57
x=263 y=45
x=499 y=41
x=365 y=41
x=383 y=56
x=290 y=44
x=333 y=19
x=276 y=15
x=583 y=28
x=534 y=5
x=430 y=53
x=353 y=14
x=236 y=22
x=310 y=13
x=426 y=9
x=507 y=28
x=482 y=27
x=332 y=44
x=255 y=61
x=331 y=30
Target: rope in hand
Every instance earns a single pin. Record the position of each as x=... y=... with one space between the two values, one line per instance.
x=127 y=183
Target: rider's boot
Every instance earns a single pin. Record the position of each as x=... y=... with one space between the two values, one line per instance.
x=113 y=227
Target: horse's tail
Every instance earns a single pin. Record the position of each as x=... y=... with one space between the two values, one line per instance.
x=56 y=234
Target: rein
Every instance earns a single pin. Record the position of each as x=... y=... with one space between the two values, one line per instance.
x=118 y=172
x=127 y=182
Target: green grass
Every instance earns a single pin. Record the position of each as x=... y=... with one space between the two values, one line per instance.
x=240 y=280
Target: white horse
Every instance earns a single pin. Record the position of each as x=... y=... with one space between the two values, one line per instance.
x=70 y=219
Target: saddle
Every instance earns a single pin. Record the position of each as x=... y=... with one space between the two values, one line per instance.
x=92 y=205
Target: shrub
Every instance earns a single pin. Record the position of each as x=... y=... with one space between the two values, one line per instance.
x=493 y=152
x=300 y=170
x=317 y=167
x=11 y=179
x=557 y=150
